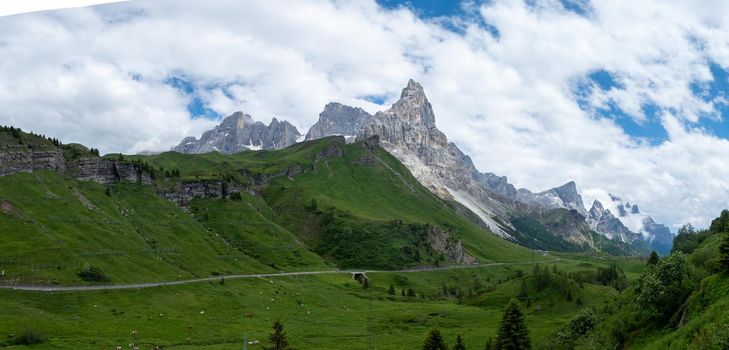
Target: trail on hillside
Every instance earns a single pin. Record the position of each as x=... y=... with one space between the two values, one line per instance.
x=77 y=288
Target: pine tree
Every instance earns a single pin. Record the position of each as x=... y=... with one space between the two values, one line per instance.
x=653 y=260
x=513 y=334
x=391 y=290
x=434 y=341
x=459 y=344
x=278 y=338
x=108 y=192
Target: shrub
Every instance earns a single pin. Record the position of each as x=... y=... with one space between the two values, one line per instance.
x=29 y=336
x=661 y=290
x=92 y=274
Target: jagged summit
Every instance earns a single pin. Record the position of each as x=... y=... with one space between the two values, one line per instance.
x=408 y=131
x=239 y=132
x=604 y=222
x=413 y=106
x=338 y=119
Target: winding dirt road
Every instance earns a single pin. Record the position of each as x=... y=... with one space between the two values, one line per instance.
x=79 y=288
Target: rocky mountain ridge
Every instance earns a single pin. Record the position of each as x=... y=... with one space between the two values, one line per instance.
x=408 y=131
x=239 y=132
x=338 y=119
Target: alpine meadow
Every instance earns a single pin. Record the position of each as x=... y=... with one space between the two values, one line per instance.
x=326 y=174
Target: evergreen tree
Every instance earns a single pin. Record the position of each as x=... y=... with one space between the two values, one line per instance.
x=724 y=251
x=278 y=338
x=490 y=344
x=513 y=334
x=720 y=224
x=459 y=344
x=522 y=290
x=653 y=260
x=391 y=290
x=108 y=192
x=434 y=341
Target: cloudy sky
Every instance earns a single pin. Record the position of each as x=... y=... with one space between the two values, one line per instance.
x=623 y=97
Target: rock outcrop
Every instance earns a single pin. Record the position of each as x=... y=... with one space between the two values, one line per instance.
x=108 y=171
x=452 y=248
x=239 y=132
x=21 y=158
x=25 y=159
x=338 y=120
x=565 y=196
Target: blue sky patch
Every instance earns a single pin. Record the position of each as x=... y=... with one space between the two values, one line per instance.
x=427 y=8
x=715 y=91
x=196 y=105
x=440 y=9
x=378 y=99
x=650 y=130
x=604 y=80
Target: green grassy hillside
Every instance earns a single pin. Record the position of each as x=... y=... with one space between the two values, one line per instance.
x=52 y=227
x=677 y=302
x=319 y=312
x=352 y=186
x=314 y=206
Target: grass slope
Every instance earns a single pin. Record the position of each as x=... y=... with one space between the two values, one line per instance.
x=319 y=312
x=53 y=226
x=367 y=187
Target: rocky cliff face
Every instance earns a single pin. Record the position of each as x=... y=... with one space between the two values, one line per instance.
x=452 y=248
x=20 y=158
x=108 y=171
x=239 y=132
x=602 y=221
x=498 y=184
x=25 y=159
x=657 y=236
x=338 y=120
x=565 y=196
x=185 y=191
x=407 y=130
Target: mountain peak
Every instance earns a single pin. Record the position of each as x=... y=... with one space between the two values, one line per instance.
x=239 y=132
x=413 y=106
x=597 y=209
x=338 y=119
x=413 y=88
x=570 y=186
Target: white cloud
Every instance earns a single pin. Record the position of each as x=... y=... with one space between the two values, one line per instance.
x=96 y=75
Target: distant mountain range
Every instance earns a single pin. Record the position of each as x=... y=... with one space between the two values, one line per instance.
x=407 y=130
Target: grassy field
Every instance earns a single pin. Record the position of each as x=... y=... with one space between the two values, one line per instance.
x=325 y=205
x=319 y=312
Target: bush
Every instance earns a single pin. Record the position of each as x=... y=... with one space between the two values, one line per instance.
x=92 y=274
x=661 y=290
x=29 y=336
